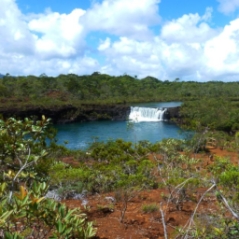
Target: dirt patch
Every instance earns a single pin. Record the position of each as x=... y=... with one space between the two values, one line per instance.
x=106 y=213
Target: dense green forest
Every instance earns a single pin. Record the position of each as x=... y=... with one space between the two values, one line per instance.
x=102 y=88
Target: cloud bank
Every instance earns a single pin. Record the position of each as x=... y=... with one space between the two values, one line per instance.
x=118 y=37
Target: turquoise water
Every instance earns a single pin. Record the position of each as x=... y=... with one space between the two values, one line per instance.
x=81 y=135
x=159 y=104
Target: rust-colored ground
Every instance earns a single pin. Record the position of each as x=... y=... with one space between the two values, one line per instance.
x=136 y=224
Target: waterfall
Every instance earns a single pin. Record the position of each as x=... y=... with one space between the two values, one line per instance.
x=139 y=114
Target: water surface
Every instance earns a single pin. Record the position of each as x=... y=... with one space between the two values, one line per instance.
x=81 y=135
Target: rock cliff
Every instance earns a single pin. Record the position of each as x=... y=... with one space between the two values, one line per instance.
x=69 y=113
x=172 y=113
x=85 y=112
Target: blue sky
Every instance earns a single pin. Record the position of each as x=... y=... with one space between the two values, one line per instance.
x=62 y=6
x=192 y=40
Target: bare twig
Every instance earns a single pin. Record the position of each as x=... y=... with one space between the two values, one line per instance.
x=228 y=207
x=18 y=173
x=189 y=223
x=127 y=196
x=177 y=189
x=163 y=221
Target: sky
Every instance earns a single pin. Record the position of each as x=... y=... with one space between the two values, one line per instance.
x=166 y=39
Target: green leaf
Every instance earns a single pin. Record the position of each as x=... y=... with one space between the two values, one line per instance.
x=60 y=227
x=9 y=235
x=5 y=215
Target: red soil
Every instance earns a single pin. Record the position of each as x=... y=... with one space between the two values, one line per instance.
x=139 y=225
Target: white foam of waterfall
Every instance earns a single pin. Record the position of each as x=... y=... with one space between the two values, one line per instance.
x=139 y=114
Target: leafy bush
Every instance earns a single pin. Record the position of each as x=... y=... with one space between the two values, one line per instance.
x=27 y=212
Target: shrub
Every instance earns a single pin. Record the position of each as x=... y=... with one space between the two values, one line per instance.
x=26 y=212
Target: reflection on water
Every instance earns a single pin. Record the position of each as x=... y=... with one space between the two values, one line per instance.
x=159 y=104
x=80 y=135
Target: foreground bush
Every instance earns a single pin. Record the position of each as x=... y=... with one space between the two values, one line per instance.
x=25 y=211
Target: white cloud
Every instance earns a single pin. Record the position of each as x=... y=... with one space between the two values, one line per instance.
x=228 y=6
x=52 y=36
x=50 y=42
x=28 y=65
x=104 y=44
x=222 y=51
x=58 y=35
x=187 y=48
x=123 y=17
x=141 y=58
x=190 y=28
x=15 y=37
x=214 y=55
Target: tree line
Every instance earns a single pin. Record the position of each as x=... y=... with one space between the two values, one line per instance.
x=105 y=88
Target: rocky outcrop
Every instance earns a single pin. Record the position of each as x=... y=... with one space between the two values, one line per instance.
x=83 y=113
x=101 y=112
x=172 y=113
x=69 y=113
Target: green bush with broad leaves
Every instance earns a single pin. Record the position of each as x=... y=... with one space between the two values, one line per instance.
x=25 y=212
